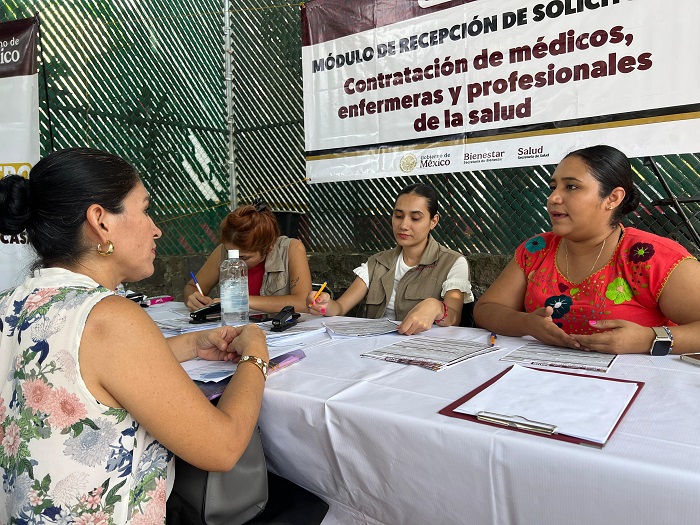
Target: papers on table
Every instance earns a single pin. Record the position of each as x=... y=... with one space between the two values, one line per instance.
x=297 y=332
x=171 y=327
x=358 y=327
x=539 y=354
x=584 y=407
x=206 y=371
x=429 y=352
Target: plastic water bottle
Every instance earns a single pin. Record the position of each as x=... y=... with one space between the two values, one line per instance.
x=233 y=285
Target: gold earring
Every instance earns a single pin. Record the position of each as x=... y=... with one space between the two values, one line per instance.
x=610 y=207
x=110 y=249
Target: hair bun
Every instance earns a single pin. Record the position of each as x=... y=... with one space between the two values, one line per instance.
x=630 y=202
x=15 y=206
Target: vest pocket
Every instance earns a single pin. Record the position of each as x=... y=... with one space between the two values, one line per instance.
x=375 y=294
x=421 y=289
x=276 y=284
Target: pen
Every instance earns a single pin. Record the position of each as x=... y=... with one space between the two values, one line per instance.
x=318 y=293
x=493 y=339
x=196 y=283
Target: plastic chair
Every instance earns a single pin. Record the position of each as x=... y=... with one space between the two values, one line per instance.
x=467 y=319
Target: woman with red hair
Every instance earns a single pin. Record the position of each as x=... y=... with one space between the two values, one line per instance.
x=278 y=270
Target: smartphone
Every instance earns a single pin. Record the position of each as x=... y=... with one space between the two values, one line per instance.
x=693 y=359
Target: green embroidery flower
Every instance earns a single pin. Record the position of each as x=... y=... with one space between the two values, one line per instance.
x=619 y=291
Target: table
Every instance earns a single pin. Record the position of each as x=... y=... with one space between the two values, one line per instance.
x=366 y=436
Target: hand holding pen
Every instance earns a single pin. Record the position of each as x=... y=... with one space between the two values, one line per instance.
x=197 y=299
x=318 y=301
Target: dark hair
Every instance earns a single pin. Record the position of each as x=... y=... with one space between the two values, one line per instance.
x=612 y=169
x=424 y=191
x=252 y=228
x=53 y=203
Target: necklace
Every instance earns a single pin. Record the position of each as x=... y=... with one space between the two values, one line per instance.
x=566 y=256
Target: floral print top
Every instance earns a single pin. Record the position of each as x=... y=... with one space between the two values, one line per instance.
x=627 y=287
x=64 y=457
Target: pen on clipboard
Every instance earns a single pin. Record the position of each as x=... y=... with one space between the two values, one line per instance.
x=492 y=339
x=318 y=293
x=196 y=283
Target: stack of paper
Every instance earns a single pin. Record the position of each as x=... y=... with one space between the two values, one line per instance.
x=358 y=327
x=428 y=352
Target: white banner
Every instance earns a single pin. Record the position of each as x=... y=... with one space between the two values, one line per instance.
x=19 y=130
x=493 y=84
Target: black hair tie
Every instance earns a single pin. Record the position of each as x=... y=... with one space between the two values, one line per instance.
x=259 y=204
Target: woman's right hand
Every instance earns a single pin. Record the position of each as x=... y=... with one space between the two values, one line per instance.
x=250 y=340
x=320 y=305
x=541 y=326
x=196 y=301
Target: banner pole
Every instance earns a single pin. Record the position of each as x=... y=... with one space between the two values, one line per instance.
x=46 y=87
x=228 y=78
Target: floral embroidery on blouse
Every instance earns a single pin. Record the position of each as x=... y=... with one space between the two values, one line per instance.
x=560 y=304
x=619 y=291
x=535 y=244
x=44 y=409
x=641 y=252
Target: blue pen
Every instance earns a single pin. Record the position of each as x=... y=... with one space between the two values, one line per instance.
x=196 y=283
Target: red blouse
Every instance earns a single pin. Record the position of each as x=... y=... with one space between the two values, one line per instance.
x=627 y=287
x=255 y=278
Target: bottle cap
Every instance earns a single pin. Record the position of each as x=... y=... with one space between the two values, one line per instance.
x=233 y=254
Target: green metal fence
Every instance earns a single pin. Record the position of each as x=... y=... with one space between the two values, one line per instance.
x=145 y=80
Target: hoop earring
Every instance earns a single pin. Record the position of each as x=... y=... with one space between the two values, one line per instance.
x=110 y=249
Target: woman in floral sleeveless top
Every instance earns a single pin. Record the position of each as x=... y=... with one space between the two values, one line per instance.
x=94 y=403
x=592 y=283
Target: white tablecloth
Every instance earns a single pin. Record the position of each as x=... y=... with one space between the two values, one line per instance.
x=367 y=437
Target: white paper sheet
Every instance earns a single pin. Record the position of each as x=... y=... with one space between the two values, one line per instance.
x=582 y=407
x=430 y=352
x=540 y=354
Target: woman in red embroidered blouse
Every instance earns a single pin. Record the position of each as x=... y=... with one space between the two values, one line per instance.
x=591 y=282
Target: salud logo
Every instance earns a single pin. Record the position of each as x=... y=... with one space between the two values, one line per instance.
x=408 y=163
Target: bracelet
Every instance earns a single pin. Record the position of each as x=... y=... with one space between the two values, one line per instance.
x=262 y=365
x=444 y=314
x=670 y=336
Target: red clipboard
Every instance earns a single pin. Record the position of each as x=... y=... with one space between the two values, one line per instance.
x=449 y=410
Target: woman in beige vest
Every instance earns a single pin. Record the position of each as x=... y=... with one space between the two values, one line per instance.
x=419 y=282
x=278 y=270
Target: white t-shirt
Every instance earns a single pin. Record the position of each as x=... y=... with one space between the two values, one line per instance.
x=457 y=279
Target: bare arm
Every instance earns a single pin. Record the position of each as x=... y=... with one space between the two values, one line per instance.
x=502 y=310
x=299 y=284
x=126 y=362
x=424 y=314
x=207 y=276
x=324 y=305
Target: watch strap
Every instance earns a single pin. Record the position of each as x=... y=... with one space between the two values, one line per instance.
x=262 y=365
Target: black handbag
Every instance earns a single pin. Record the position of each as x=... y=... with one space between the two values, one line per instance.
x=226 y=498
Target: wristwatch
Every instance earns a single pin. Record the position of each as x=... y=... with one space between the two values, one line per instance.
x=262 y=365
x=663 y=342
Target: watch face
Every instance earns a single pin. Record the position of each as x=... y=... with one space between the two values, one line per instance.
x=661 y=347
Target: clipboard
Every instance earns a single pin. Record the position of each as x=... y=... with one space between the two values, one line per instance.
x=520 y=424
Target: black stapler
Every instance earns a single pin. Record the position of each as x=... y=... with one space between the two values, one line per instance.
x=284 y=319
x=211 y=312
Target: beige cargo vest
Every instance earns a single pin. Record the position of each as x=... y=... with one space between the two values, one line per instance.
x=276 y=276
x=419 y=283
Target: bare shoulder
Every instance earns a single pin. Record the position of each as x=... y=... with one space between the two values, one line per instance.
x=116 y=319
x=297 y=246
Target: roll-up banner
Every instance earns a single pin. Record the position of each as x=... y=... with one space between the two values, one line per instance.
x=432 y=86
x=19 y=130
